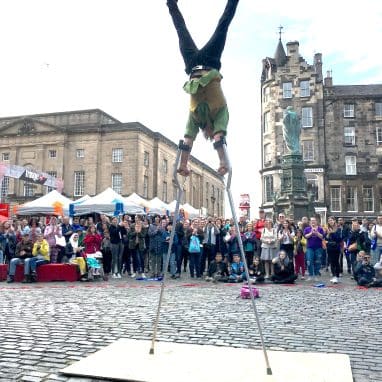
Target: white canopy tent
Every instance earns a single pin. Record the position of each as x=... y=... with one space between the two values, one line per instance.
x=52 y=203
x=157 y=206
x=107 y=202
x=135 y=198
x=190 y=211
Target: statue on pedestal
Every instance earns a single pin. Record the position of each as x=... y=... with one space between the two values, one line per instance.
x=292 y=131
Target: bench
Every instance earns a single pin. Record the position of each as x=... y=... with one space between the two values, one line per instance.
x=46 y=272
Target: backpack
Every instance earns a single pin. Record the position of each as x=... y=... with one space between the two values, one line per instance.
x=245 y=293
x=194 y=246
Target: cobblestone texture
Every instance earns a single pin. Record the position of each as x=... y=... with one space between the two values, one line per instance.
x=45 y=327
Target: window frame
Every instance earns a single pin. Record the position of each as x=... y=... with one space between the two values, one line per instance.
x=78 y=152
x=335 y=199
x=146 y=159
x=287 y=90
x=117 y=155
x=114 y=177
x=305 y=152
x=378 y=109
x=4 y=190
x=378 y=135
x=6 y=156
x=350 y=134
x=354 y=198
x=52 y=154
x=368 y=198
x=78 y=183
x=268 y=188
x=267 y=154
x=304 y=90
x=349 y=165
x=349 y=110
x=306 y=118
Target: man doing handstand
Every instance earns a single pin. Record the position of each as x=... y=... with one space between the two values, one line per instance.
x=208 y=107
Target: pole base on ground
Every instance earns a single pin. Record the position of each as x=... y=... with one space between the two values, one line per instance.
x=128 y=360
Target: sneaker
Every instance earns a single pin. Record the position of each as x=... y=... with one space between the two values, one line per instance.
x=10 y=279
x=302 y=277
x=143 y=275
x=309 y=279
x=173 y=277
x=119 y=276
x=334 y=280
x=316 y=279
x=133 y=275
x=114 y=276
x=340 y=274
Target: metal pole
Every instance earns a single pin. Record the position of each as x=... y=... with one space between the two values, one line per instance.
x=229 y=193
x=179 y=197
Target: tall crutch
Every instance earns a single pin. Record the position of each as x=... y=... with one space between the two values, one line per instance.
x=179 y=196
x=229 y=193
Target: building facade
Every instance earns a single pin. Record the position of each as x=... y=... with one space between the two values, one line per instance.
x=90 y=150
x=341 y=135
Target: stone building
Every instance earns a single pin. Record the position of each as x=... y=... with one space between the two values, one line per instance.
x=341 y=138
x=90 y=150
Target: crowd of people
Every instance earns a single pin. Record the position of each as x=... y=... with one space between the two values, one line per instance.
x=205 y=248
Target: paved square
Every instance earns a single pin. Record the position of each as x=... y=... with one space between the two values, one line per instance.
x=46 y=327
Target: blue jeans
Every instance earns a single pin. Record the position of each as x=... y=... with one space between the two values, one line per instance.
x=1 y=257
x=12 y=265
x=313 y=257
x=32 y=263
x=116 y=257
x=139 y=260
x=172 y=263
x=376 y=254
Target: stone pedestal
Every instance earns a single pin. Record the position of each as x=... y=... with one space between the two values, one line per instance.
x=293 y=200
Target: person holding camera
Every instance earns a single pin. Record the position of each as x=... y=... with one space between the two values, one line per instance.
x=364 y=272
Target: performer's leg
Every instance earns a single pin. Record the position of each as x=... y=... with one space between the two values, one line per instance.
x=187 y=46
x=186 y=150
x=215 y=45
x=218 y=145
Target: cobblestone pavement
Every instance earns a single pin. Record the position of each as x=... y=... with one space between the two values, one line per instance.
x=45 y=327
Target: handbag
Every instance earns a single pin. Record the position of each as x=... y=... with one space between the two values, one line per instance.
x=60 y=241
x=194 y=246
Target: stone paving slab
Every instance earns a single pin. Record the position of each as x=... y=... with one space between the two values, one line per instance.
x=45 y=327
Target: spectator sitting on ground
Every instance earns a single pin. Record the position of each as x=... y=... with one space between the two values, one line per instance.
x=23 y=251
x=237 y=274
x=283 y=272
x=257 y=270
x=364 y=272
x=218 y=270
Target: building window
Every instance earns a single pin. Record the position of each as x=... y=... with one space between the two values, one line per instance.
x=268 y=188
x=116 y=182
x=380 y=198
x=4 y=187
x=164 y=192
x=349 y=135
x=145 y=186
x=351 y=199
x=267 y=154
x=267 y=125
x=349 y=110
x=312 y=185
x=304 y=89
x=308 y=151
x=306 y=117
x=335 y=199
x=52 y=153
x=5 y=157
x=351 y=165
x=54 y=175
x=368 y=199
x=378 y=109
x=379 y=165
x=146 y=159
x=287 y=90
x=79 y=183
x=165 y=166
x=80 y=153
x=378 y=133
x=266 y=94
x=29 y=189
x=117 y=155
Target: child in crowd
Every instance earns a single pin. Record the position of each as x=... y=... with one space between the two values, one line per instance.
x=237 y=274
x=257 y=271
x=283 y=269
x=299 y=253
x=165 y=245
x=218 y=270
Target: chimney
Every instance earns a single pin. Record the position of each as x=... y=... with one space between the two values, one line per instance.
x=328 y=81
x=292 y=49
x=318 y=66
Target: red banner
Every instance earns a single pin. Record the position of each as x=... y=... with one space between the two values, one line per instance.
x=4 y=209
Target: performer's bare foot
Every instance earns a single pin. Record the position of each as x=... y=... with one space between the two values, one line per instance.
x=183 y=170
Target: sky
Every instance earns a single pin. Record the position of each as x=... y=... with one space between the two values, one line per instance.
x=122 y=56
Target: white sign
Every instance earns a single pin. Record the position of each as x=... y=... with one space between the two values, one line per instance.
x=314 y=170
